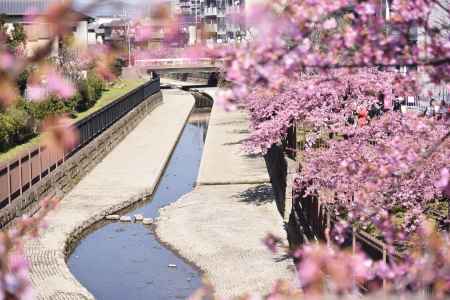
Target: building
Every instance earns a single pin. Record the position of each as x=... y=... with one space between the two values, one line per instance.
x=214 y=21
x=439 y=18
x=16 y=11
x=115 y=33
x=219 y=20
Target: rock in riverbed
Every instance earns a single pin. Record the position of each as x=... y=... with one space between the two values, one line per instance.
x=138 y=217
x=125 y=219
x=147 y=221
x=112 y=217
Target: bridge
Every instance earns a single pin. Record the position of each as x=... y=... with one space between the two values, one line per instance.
x=179 y=65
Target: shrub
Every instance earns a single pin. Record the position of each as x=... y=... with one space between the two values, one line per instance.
x=41 y=110
x=89 y=91
x=22 y=81
x=71 y=104
x=87 y=96
x=16 y=126
x=21 y=122
x=97 y=83
x=117 y=67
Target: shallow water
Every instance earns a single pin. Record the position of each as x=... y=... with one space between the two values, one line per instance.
x=126 y=261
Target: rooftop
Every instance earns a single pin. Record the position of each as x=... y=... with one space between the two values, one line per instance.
x=24 y=7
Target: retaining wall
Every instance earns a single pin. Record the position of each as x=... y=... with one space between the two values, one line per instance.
x=190 y=77
x=67 y=175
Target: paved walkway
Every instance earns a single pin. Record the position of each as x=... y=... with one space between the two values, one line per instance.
x=131 y=170
x=220 y=225
x=224 y=161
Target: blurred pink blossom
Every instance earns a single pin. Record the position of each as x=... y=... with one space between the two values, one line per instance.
x=60 y=86
x=143 y=32
x=6 y=60
x=36 y=92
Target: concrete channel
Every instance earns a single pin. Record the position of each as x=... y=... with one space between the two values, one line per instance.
x=137 y=265
x=215 y=209
x=125 y=176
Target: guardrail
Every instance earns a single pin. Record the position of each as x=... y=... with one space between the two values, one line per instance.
x=174 y=62
x=321 y=221
x=20 y=174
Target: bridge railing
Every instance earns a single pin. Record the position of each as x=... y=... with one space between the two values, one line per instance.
x=22 y=173
x=175 y=62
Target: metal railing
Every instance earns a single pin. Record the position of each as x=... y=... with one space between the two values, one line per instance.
x=20 y=174
x=177 y=62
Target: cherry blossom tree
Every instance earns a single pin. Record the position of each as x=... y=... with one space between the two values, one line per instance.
x=334 y=66
x=337 y=67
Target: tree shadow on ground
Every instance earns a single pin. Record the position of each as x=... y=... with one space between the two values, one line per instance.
x=258 y=195
x=242 y=131
x=282 y=257
x=231 y=122
x=234 y=143
x=253 y=155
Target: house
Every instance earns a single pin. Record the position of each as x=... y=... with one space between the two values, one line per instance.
x=17 y=11
x=115 y=33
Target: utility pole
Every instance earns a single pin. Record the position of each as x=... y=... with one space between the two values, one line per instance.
x=128 y=29
x=129 y=44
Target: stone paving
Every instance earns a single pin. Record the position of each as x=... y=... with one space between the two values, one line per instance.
x=221 y=224
x=129 y=172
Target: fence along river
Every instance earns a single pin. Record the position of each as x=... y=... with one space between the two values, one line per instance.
x=21 y=174
x=125 y=260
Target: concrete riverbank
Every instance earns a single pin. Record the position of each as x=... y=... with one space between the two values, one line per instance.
x=221 y=224
x=129 y=172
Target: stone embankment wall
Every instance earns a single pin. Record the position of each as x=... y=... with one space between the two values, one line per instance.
x=194 y=77
x=200 y=77
x=61 y=181
x=202 y=100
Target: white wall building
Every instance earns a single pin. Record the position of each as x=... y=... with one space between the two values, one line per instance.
x=16 y=11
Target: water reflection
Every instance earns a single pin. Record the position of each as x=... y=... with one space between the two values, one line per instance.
x=125 y=261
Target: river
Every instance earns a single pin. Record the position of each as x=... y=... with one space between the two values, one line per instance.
x=125 y=260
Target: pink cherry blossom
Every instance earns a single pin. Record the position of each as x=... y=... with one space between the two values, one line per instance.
x=59 y=85
x=36 y=92
x=143 y=32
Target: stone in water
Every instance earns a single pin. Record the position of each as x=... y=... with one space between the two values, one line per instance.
x=112 y=217
x=138 y=217
x=125 y=219
x=147 y=221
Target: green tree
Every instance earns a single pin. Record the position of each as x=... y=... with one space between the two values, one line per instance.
x=17 y=36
